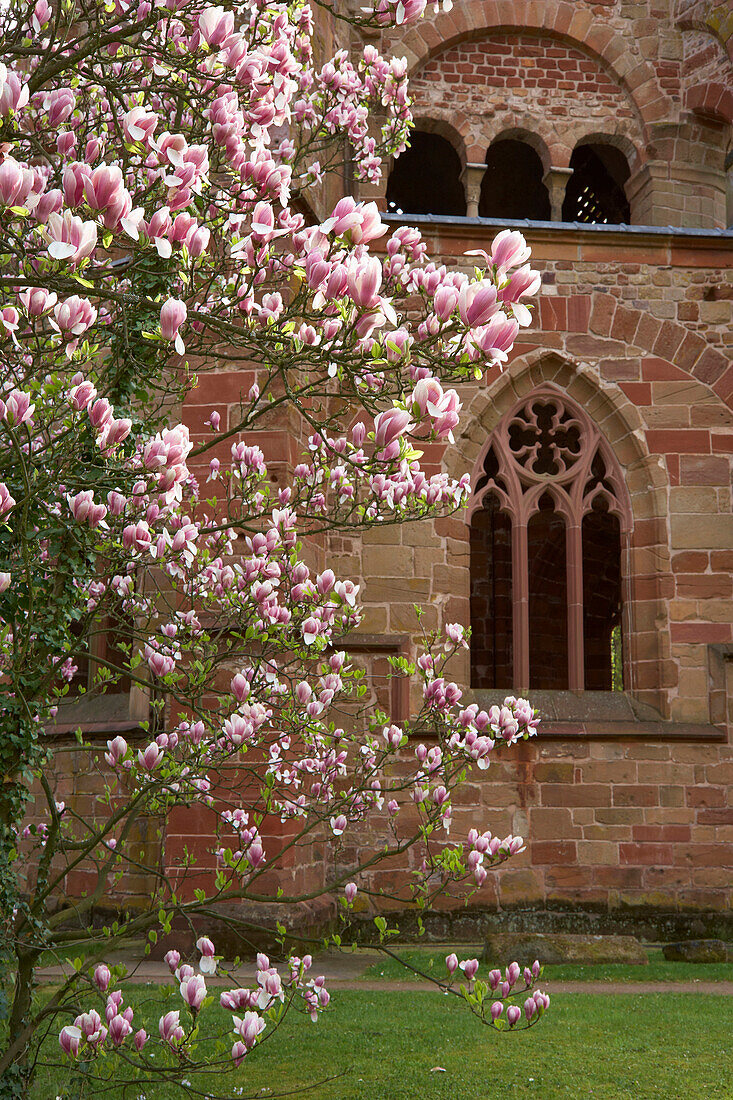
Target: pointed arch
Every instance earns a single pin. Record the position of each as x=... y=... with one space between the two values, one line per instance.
x=645 y=555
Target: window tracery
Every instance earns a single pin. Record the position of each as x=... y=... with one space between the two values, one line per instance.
x=549 y=469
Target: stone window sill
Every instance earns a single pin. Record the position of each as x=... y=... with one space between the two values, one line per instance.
x=603 y=715
x=103 y=716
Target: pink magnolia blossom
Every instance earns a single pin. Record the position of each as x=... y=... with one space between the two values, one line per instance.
x=91 y=1027
x=139 y=124
x=455 y=634
x=469 y=968
x=119 y=1029
x=70 y=1040
x=42 y=13
x=193 y=991
x=70 y=238
x=170 y=1028
x=75 y=176
x=36 y=301
x=59 y=103
x=388 y=427
x=477 y=302
x=173 y=959
x=150 y=758
x=84 y=508
x=216 y=25
x=249 y=1027
x=83 y=395
x=496 y=338
x=13 y=92
x=172 y=315
x=18 y=408
x=7 y=502
x=364 y=281
x=74 y=315
x=105 y=192
x=362 y=221
x=16 y=183
x=509 y=249
x=116 y=750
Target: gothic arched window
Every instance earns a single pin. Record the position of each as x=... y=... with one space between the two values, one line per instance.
x=426 y=178
x=548 y=515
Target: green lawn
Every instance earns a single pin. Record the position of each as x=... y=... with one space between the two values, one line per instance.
x=384 y=1046
x=658 y=970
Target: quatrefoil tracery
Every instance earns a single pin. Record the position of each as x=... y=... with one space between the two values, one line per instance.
x=545 y=439
x=547 y=445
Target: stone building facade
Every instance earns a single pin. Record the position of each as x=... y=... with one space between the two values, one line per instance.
x=605 y=592
x=595 y=559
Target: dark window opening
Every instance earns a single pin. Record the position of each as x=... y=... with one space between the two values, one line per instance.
x=602 y=600
x=548 y=599
x=492 y=655
x=595 y=191
x=512 y=187
x=426 y=178
x=106 y=643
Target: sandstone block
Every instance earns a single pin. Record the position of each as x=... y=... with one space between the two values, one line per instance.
x=697 y=951
x=551 y=948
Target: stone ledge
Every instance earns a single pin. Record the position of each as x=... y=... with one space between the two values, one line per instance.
x=624 y=731
x=447 y=221
x=603 y=715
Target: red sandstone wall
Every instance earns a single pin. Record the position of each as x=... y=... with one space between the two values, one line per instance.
x=614 y=820
x=505 y=82
x=638 y=330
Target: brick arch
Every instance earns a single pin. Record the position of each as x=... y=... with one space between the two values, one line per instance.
x=557 y=17
x=618 y=140
x=621 y=426
x=531 y=135
x=450 y=130
x=695 y=15
x=602 y=315
x=711 y=101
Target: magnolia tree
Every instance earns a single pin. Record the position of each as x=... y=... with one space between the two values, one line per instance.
x=164 y=209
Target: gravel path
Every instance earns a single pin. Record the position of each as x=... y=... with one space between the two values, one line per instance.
x=344 y=972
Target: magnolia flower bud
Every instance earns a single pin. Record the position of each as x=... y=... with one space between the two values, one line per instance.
x=172 y=958
x=173 y=313
x=102 y=977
